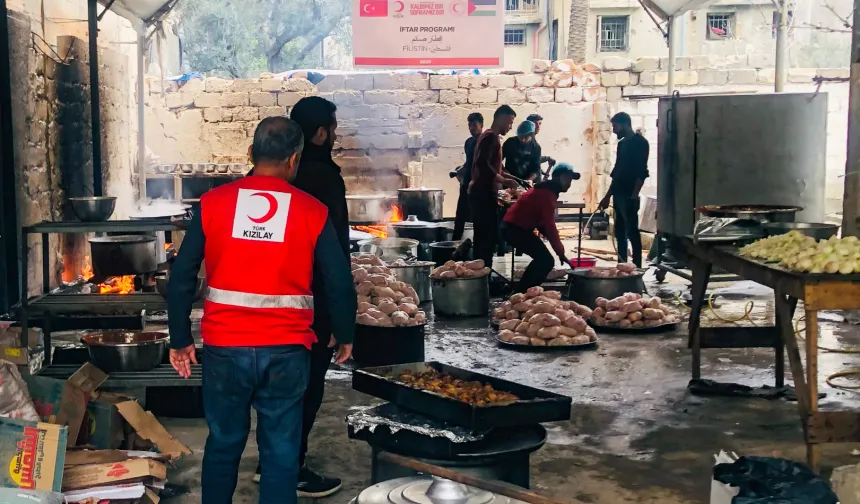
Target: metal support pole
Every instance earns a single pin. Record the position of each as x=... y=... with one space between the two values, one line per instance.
x=93 y=24
x=851 y=198
x=10 y=232
x=141 y=138
x=670 y=27
x=781 y=38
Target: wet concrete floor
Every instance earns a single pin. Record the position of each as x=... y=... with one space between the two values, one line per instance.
x=635 y=433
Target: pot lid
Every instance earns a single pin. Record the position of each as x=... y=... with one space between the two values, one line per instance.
x=428 y=490
x=418 y=189
x=413 y=222
x=367 y=196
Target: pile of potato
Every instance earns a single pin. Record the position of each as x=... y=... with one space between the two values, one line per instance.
x=541 y=318
x=461 y=269
x=631 y=311
x=382 y=299
x=621 y=270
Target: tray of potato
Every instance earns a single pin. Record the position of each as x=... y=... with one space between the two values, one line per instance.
x=632 y=313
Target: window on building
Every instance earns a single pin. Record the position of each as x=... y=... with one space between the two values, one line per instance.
x=612 y=33
x=775 y=25
x=521 y=6
x=721 y=26
x=553 y=49
x=515 y=36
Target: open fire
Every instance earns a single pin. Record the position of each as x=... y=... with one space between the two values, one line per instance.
x=112 y=285
x=381 y=230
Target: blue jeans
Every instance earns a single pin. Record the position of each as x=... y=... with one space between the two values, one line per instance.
x=273 y=381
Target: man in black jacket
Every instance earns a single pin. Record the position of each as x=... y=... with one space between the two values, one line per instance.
x=319 y=176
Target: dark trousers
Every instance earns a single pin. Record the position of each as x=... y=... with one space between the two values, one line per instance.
x=531 y=245
x=272 y=380
x=627 y=228
x=485 y=220
x=463 y=214
x=321 y=356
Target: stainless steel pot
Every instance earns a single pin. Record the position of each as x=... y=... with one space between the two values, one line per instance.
x=417 y=275
x=120 y=351
x=461 y=297
x=424 y=232
x=441 y=252
x=123 y=255
x=424 y=203
x=392 y=248
x=585 y=289
x=93 y=208
x=368 y=208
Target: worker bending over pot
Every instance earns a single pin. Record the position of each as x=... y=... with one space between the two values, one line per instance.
x=535 y=210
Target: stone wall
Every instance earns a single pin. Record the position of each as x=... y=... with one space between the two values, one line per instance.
x=399 y=129
x=51 y=135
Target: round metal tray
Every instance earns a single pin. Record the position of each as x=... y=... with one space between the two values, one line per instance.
x=530 y=348
x=631 y=330
x=751 y=212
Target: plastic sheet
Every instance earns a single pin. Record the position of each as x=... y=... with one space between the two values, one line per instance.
x=397 y=419
x=774 y=481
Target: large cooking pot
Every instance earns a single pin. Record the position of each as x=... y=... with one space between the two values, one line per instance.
x=424 y=232
x=121 y=351
x=461 y=297
x=123 y=255
x=416 y=274
x=441 y=252
x=424 y=203
x=368 y=208
x=585 y=289
x=390 y=249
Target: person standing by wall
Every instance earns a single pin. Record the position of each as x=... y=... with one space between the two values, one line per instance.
x=264 y=242
x=487 y=179
x=538 y=120
x=476 y=126
x=628 y=176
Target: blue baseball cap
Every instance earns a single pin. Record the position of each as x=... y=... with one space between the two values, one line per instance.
x=526 y=128
x=562 y=168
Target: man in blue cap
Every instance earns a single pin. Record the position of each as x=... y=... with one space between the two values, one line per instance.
x=535 y=210
x=521 y=154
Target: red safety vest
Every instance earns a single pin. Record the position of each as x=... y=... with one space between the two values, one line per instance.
x=259 y=254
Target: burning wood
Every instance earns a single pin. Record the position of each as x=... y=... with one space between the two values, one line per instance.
x=381 y=230
x=112 y=285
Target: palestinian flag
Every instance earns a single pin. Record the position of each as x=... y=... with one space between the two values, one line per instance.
x=482 y=7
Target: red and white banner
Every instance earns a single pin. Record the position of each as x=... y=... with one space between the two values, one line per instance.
x=419 y=34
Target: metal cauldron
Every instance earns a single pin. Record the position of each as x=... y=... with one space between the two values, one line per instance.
x=121 y=351
x=123 y=255
x=461 y=297
x=368 y=208
x=424 y=203
x=391 y=249
x=417 y=275
x=93 y=208
x=585 y=289
x=441 y=252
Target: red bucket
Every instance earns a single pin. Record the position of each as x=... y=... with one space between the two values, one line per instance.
x=584 y=262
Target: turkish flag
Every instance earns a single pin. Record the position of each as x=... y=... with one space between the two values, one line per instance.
x=373 y=8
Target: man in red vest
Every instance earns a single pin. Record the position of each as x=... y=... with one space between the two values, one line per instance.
x=262 y=240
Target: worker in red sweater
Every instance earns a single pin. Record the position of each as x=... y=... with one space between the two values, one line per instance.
x=536 y=210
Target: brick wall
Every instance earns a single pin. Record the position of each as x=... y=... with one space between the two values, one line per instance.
x=399 y=129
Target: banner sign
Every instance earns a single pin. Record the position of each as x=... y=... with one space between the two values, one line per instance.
x=428 y=34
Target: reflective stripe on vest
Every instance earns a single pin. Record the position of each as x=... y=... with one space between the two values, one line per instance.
x=249 y=300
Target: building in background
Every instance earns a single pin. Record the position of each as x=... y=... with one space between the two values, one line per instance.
x=722 y=29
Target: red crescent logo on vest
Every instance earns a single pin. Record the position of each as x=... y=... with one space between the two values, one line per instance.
x=273 y=208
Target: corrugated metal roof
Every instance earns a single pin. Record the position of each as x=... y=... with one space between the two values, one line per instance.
x=140 y=10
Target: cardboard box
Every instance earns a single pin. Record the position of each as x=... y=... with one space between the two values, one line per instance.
x=65 y=402
x=11 y=336
x=147 y=427
x=86 y=476
x=103 y=426
x=32 y=455
x=85 y=457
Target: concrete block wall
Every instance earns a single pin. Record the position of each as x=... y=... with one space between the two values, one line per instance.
x=398 y=129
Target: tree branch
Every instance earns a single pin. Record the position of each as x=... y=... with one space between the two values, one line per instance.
x=843 y=19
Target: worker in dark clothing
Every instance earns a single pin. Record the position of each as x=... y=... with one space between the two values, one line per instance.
x=538 y=120
x=521 y=157
x=264 y=243
x=628 y=176
x=535 y=210
x=487 y=179
x=463 y=215
x=319 y=176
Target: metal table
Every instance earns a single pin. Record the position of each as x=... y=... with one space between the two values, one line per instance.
x=48 y=304
x=162 y=376
x=818 y=292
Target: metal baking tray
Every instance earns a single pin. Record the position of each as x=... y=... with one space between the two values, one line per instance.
x=530 y=348
x=534 y=406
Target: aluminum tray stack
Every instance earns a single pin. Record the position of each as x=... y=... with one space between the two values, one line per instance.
x=535 y=405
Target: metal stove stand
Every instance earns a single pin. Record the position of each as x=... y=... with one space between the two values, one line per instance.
x=162 y=376
x=57 y=311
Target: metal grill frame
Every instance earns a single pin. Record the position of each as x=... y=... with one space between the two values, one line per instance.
x=515 y=37
x=521 y=6
x=720 y=20
x=613 y=34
